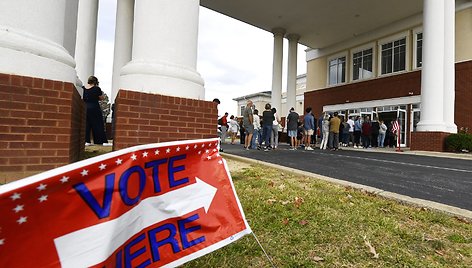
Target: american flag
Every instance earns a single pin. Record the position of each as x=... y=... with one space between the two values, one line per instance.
x=395 y=126
x=43 y=219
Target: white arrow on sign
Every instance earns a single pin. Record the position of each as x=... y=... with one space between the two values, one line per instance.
x=93 y=245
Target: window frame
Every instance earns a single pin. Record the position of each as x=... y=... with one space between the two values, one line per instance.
x=374 y=58
x=417 y=31
x=392 y=39
x=333 y=57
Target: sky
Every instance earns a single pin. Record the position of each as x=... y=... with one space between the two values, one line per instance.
x=234 y=58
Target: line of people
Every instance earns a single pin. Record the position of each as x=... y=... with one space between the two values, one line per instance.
x=332 y=130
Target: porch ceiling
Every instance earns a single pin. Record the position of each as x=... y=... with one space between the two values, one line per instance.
x=320 y=23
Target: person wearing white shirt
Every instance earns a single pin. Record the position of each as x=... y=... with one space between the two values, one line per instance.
x=351 y=130
x=256 y=137
x=274 y=138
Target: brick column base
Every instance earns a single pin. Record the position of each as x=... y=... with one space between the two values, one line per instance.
x=143 y=118
x=428 y=141
x=42 y=125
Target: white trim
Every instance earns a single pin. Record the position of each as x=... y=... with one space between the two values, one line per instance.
x=401 y=25
x=389 y=39
x=371 y=45
x=372 y=103
x=416 y=31
x=337 y=56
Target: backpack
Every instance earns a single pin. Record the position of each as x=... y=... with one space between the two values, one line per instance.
x=220 y=121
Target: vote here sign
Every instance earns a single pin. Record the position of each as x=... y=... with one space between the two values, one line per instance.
x=146 y=206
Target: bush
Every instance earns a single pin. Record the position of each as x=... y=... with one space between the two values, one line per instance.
x=459 y=142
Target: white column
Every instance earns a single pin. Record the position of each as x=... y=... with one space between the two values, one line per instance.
x=276 y=97
x=292 y=70
x=432 y=74
x=165 y=45
x=86 y=38
x=123 y=41
x=449 y=65
x=32 y=40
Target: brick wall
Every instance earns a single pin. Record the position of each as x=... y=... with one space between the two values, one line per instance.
x=143 y=118
x=428 y=141
x=395 y=86
x=41 y=125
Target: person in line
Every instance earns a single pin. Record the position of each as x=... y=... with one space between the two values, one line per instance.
x=382 y=131
x=351 y=130
x=334 y=126
x=94 y=116
x=345 y=132
x=274 y=138
x=325 y=132
x=233 y=128
x=357 y=132
x=267 y=122
x=299 y=134
x=366 y=132
x=256 y=137
x=248 y=123
x=375 y=132
x=309 y=127
x=218 y=126
x=292 y=125
x=224 y=127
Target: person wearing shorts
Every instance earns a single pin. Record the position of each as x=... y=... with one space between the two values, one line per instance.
x=292 y=125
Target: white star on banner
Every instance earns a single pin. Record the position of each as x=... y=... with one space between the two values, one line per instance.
x=214 y=150
x=168 y=150
x=18 y=208
x=84 y=172
x=102 y=166
x=64 y=179
x=207 y=151
x=216 y=143
x=145 y=154
x=134 y=157
x=41 y=187
x=43 y=198
x=199 y=152
x=203 y=145
x=178 y=149
x=22 y=220
x=156 y=152
x=195 y=146
x=209 y=157
x=220 y=162
x=15 y=196
x=2 y=241
x=119 y=161
x=217 y=154
x=188 y=147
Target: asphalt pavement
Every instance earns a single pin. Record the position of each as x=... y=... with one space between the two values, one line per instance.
x=439 y=177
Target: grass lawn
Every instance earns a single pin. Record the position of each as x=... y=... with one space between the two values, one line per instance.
x=304 y=222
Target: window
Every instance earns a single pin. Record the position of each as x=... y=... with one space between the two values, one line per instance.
x=337 y=71
x=393 y=56
x=419 y=50
x=241 y=109
x=362 y=64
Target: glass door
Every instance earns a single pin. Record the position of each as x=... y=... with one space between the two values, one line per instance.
x=401 y=115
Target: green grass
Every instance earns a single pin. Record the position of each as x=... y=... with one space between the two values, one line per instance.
x=304 y=222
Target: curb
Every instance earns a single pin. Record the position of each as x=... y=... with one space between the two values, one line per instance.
x=404 y=199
